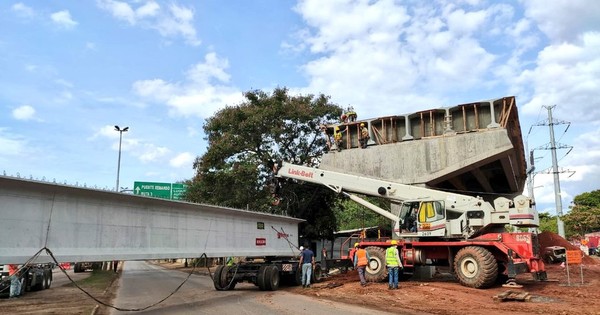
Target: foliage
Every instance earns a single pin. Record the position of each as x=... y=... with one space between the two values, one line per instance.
x=548 y=223
x=351 y=215
x=243 y=142
x=584 y=216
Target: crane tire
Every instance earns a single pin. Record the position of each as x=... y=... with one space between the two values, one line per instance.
x=376 y=270
x=475 y=267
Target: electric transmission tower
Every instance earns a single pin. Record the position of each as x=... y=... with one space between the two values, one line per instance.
x=555 y=170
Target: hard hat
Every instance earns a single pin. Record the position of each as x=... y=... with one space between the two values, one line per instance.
x=356 y=244
x=394 y=242
x=362 y=124
x=336 y=128
x=301 y=248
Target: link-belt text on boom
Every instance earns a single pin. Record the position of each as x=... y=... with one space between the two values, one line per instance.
x=300 y=173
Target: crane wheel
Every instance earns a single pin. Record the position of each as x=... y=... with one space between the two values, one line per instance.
x=376 y=270
x=475 y=267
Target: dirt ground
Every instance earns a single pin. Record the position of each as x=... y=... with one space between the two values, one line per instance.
x=441 y=295
x=64 y=298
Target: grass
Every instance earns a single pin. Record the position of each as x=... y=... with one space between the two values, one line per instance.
x=99 y=279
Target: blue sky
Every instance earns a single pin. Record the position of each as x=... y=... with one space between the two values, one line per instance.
x=71 y=70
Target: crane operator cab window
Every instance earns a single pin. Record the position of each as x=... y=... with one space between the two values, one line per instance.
x=421 y=216
x=431 y=211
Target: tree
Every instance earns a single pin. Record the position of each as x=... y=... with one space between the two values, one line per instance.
x=548 y=223
x=243 y=142
x=584 y=216
x=351 y=215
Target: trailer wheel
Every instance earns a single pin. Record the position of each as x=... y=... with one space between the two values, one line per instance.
x=475 y=267
x=271 y=278
x=48 y=280
x=376 y=270
x=317 y=274
x=39 y=283
x=298 y=276
x=217 y=278
x=261 y=277
x=227 y=282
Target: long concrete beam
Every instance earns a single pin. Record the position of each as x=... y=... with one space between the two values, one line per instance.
x=80 y=224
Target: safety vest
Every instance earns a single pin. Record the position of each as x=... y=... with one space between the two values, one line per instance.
x=391 y=257
x=361 y=256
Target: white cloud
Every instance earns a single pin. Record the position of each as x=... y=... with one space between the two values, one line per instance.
x=24 y=112
x=152 y=153
x=204 y=92
x=11 y=145
x=63 y=19
x=172 y=21
x=567 y=75
x=184 y=159
x=564 y=20
x=381 y=54
x=23 y=10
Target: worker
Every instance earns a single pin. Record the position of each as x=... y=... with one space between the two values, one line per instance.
x=343 y=118
x=361 y=260
x=364 y=136
x=307 y=263
x=324 y=258
x=15 y=281
x=393 y=263
x=337 y=138
x=351 y=114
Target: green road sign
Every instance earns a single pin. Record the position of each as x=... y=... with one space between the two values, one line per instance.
x=177 y=191
x=156 y=190
x=160 y=190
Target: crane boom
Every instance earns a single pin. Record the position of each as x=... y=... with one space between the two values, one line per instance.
x=440 y=213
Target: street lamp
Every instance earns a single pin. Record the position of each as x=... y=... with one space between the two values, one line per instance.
x=119 y=162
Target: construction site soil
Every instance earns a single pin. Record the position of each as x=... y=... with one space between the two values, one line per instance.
x=440 y=295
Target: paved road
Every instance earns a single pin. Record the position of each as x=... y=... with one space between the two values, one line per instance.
x=142 y=284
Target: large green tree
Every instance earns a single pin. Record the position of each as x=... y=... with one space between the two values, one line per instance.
x=243 y=142
x=584 y=216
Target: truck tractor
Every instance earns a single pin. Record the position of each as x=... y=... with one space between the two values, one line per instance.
x=34 y=277
x=463 y=232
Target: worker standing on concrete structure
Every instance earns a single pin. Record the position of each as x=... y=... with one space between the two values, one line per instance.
x=364 y=136
x=337 y=138
x=361 y=260
x=351 y=114
x=392 y=261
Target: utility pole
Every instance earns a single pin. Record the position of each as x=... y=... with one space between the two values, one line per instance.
x=552 y=146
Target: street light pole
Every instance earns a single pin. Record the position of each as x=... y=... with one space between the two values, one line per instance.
x=119 y=162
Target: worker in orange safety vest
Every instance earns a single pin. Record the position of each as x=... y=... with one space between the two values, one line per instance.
x=361 y=260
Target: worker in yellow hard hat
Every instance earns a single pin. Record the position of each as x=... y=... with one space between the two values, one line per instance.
x=364 y=135
x=337 y=137
x=361 y=260
x=393 y=263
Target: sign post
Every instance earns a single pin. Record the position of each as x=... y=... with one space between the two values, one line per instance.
x=574 y=257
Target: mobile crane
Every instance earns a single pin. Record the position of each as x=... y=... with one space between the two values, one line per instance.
x=463 y=232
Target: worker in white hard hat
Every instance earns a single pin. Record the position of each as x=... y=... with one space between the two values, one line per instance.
x=393 y=263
